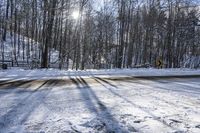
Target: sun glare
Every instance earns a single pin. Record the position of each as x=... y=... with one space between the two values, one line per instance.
x=75 y=14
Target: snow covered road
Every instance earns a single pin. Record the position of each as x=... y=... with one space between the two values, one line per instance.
x=101 y=105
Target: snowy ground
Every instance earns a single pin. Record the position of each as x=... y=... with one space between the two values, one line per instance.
x=97 y=104
x=21 y=74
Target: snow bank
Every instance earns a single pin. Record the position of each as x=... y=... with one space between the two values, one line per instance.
x=15 y=73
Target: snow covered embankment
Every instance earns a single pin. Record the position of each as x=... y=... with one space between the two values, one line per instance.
x=21 y=74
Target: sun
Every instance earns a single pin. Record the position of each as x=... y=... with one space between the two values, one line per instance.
x=75 y=14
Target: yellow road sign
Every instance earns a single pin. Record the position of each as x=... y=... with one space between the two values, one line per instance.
x=159 y=63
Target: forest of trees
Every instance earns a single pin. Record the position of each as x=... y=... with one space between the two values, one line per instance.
x=107 y=34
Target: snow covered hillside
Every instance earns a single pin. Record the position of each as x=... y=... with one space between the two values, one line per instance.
x=192 y=62
x=27 y=50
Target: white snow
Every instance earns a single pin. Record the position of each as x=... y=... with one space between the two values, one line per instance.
x=9 y=47
x=25 y=42
x=94 y=101
x=16 y=73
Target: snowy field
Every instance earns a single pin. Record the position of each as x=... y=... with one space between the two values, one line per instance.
x=78 y=103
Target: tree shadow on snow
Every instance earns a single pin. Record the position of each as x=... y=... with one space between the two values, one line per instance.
x=95 y=105
x=104 y=82
x=22 y=109
x=13 y=84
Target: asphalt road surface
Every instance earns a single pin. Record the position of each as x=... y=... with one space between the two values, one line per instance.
x=143 y=104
